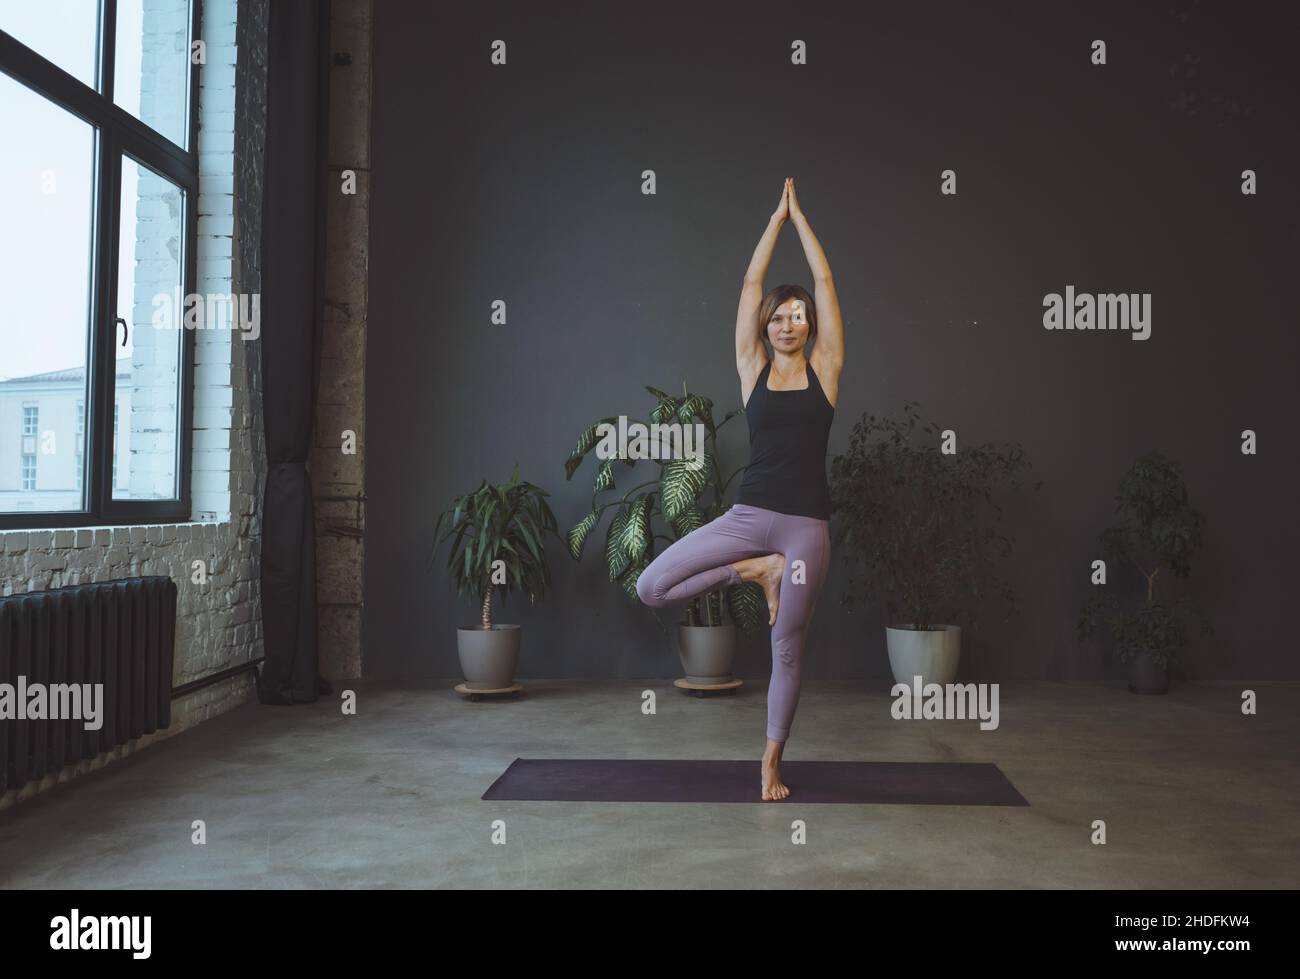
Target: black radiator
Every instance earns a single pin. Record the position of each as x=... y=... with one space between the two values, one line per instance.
x=118 y=633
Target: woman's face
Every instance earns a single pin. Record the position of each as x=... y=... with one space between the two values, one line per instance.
x=787 y=331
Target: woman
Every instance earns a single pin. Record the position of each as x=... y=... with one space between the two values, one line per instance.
x=777 y=533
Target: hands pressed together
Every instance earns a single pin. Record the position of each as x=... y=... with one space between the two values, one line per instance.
x=788 y=209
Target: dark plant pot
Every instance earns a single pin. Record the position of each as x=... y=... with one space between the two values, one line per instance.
x=1144 y=676
x=488 y=656
x=707 y=652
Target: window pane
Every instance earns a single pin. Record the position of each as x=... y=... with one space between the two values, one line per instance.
x=46 y=213
x=146 y=399
x=63 y=31
x=151 y=67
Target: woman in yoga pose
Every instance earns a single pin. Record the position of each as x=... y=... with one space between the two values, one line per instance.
x=777 y=533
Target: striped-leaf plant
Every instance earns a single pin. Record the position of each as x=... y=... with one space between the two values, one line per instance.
x=677 y=495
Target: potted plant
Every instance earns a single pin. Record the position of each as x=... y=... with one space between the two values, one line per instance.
x=1157 y=528
x=497 y=536
x=683 y=493
x=909 y=516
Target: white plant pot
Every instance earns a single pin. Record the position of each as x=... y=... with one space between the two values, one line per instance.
x=931 y=654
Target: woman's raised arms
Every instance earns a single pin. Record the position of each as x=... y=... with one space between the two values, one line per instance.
x=751 y=355
x=828 y=351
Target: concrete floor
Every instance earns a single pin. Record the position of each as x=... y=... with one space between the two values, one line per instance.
x=1193 y=794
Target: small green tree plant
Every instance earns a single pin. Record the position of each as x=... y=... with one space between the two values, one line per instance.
x=497 y=535
x=682 y=494
x=1157 y=528
x=911 y=520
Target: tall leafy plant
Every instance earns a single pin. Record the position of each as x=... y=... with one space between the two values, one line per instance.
x=913 y=519
x=1156 y=529
x=497 y=535
x=681 y=494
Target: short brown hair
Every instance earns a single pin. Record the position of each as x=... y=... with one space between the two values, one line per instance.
x=775 y=297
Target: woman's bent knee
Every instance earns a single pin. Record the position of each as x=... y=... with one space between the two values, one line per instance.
x=645 y=590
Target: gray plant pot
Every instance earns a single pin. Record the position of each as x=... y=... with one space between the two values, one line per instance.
x=707 y=652
x=1144 y=676
x=488 y=656
x=931 y=654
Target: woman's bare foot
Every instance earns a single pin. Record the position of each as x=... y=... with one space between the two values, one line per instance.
x=767 y=571
x=773 y=788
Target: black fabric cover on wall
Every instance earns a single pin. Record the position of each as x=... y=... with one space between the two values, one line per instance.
x=298 y=39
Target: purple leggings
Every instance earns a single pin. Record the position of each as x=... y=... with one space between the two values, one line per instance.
x=701 y=562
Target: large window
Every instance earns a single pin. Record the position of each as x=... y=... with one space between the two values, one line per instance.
x=98 y=206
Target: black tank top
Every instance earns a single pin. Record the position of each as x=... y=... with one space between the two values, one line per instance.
x=788 y=433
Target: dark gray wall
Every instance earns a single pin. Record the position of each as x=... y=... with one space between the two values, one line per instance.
x=522 y=183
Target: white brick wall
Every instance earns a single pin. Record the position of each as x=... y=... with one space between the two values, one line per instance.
x=218 y=624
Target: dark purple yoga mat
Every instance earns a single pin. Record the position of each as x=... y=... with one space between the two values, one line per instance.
x=671 y=780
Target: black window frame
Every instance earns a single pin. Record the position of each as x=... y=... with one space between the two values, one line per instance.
x=118 y=134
